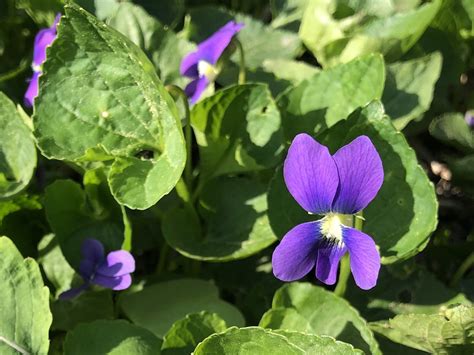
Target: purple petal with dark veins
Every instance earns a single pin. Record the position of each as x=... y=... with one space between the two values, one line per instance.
x=210 y=50
x=360 y=175
x=364 y=256
x=115 y=283
x=32 y=91
x=310 y=174
x=327 y=264
x=295 y=256
x=117 y=263
x=195 y=89
x=92 y=250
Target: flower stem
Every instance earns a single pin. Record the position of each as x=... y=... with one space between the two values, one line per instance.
x=241 y=61
x=343 y=276
x=162 y=260
x=340 y=290
x=176 y=91
x=467 y=263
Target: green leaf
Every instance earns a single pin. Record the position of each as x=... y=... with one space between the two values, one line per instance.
x=334 y=38
x=331 y=95
x=404 y=213
x=187 y=332
x=256 y=340
x=290 y=70
x=55 y=266
x=158 y=306
x=315 y=344
x=452 y=129
x=97 y=81
x=17 y=203
x=42 y=12
x=17 y=150
x=451 y=332
x=259 y=41
x=87 y=307
x=162 y=46
x=111 y=337
x=75 y=215
x=287 y=14
x=26 y=317
x=321 y=312
x=237 y=130
x=409 y=88
x=235 y=215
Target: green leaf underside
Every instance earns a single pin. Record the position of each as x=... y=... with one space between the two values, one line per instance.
x=17 y=150
x=256 y=340
x=400 y=226
x=237 y=226
x=331 y=95
x=409 y=88
x=451 y=332
x=186 y=333
x=311 y=309
x=24 y=310
x=111 y=337
x=335 y=41
x=99 y=83
x=158 y=306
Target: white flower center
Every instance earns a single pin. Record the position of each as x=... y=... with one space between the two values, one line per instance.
x=208 y=70
x=331 y=227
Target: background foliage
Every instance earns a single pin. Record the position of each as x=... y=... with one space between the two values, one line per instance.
x=102 y=155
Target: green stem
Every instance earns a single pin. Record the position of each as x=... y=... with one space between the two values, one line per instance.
x=188 y=135
x=343 y=276
x=241 y=61
x=14 y=72
x=466 y=265
x=162 y=260
x=340 y=290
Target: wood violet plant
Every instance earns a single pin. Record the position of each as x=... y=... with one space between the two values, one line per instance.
x=181 y=177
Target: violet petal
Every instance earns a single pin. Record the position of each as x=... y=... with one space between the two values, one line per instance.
x=32 y=91
x=92 y=250
x=364 y=256
x=115 y=283
x=327 y=264
x=117 y=263
x=360 y=175
x=73 y=292
x=310 y=174
x=295 y=256
x=195 y=89
x=210 y=49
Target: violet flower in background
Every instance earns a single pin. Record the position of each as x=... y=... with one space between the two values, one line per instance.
x=111 y=271
x=343 y=183
x=469 y=118
x=201 y=64
x=43 y=40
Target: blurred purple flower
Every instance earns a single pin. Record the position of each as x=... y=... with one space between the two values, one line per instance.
x=111 y=271
x=43 y=39
x=343 y=183
x=201 y=64
x=469 y=118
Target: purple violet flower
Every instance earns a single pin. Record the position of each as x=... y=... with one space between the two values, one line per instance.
x=201 y=64
x=341 y=184
x=111 y=271
x=43 y=40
